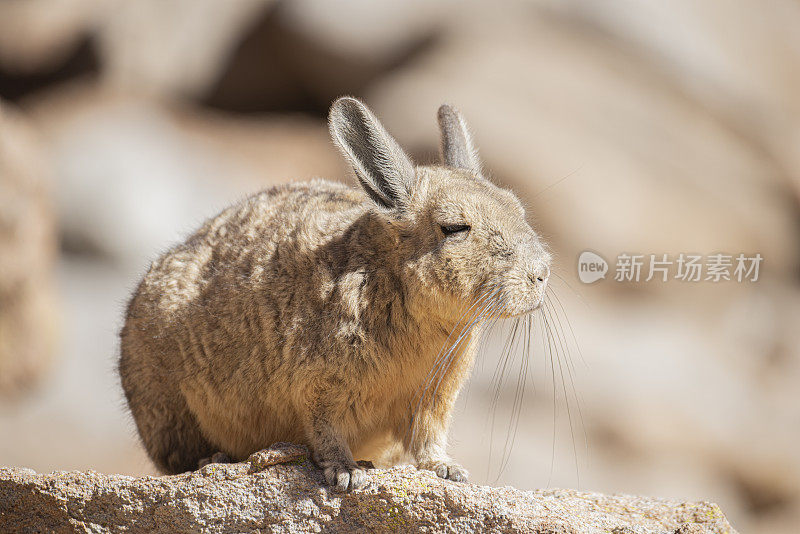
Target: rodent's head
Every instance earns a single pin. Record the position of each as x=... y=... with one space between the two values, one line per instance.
x=462 y=239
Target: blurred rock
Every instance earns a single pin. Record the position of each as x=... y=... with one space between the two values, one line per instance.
x=736 y=61
x=44 y=44
x=365 y=30
x=256 y=55
x=300 y=56
x=27 y=250
x=290 y=496
x=36 y=34
x=80 y=406
x=132 y=175
x=163 y=49
x=171 y=49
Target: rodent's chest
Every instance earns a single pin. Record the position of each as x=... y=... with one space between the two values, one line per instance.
x=426 y=380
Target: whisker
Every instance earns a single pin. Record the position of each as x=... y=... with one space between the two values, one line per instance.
x=558 y=330
x=577 y=294
x=549 y=352
x=569 y=324
x=519 y=397
x=487 y=332
x=422 y=390
x=481 y=301
x=496 y=384
x=500 y=369
x=569 y=412
x=475 y=327
x=570 y=373
x=486 y=312
x=491 y=309
x=487 y=302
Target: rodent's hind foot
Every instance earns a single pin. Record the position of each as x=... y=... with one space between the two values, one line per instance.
x=216 y=458
x=446 y=469
x=344 y=477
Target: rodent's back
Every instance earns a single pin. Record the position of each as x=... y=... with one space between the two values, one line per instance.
x=246 y=235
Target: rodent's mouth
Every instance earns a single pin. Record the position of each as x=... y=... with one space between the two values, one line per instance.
x=499 y=303
x=527 y=310
x=511 y=315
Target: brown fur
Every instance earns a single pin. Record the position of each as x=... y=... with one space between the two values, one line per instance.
x=314 y=312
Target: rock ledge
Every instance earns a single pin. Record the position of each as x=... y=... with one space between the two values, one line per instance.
x=279 y=490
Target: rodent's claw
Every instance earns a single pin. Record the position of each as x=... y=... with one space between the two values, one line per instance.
x=448 y=470
x=456 y=473
x=345 y=478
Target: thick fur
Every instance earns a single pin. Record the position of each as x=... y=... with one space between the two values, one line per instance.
x=315 y=312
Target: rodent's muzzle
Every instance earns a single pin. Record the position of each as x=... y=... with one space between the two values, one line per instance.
x=538 y=273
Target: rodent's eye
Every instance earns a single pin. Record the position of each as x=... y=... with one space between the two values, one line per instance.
x=450 y=229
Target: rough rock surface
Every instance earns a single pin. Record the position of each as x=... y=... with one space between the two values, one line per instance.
x=279 y=490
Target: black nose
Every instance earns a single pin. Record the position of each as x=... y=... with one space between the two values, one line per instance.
x=540 y=274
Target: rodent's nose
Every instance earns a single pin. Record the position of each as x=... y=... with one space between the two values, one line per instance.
x=540 y=273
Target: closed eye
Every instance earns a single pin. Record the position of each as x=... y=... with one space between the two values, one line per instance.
x=451 y=229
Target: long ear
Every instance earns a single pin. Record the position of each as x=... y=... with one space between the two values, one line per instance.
x=383 y=169
x=457 y=147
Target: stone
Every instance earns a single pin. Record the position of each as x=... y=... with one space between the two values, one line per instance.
x=280 y=490
x=37 y=34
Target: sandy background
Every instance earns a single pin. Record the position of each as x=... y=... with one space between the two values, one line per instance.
x=627 y=127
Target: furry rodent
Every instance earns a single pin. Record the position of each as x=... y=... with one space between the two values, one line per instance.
x=340 y=318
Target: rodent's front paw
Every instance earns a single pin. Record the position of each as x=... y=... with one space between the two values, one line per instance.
x=344 y=477
x=447 y=469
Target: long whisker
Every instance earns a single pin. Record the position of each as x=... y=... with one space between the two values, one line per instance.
x=519 y=397
x=558 y=329
x=566 y=283
x=500 y=369
x=434 y=367
x=549 y=352
x=496 y=385
x=488 y=311
x=570 y=373
x=569 y=324
x=486 y=298
x=569 y=412
x=484 y=313
x=486 y=334
x=451 y=355
x=481 y=300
